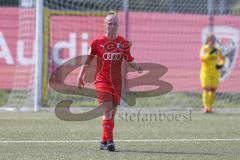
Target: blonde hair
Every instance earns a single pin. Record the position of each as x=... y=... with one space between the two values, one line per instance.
x=110 y=13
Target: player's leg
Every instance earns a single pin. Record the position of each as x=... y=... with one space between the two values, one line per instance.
x=104 y=95
x=108 y=125
x=114 y=113
x=110 y=115
x=206 y=99
x=205 y=83
x=117 y=93
x=110 y=146
x=108 y=98
x=213 y=88
x=212 y=96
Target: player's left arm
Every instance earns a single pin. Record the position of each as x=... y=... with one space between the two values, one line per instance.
x=130 y=59
x=126 y=46
x=221 y=60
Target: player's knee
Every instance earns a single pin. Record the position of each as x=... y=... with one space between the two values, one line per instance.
x=213 y=89
x=207 y=89
x=107 y=116
x=107 y=109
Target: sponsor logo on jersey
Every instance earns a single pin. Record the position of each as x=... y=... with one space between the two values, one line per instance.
x=112 y=56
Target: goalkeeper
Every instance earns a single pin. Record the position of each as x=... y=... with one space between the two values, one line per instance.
x=211 y=62
x=110 y=50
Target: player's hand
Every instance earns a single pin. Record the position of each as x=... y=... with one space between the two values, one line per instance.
x=219 y=66
x=80 y=83
x=213 y=51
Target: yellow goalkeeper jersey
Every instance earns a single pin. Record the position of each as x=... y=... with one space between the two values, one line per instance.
x=210 y=57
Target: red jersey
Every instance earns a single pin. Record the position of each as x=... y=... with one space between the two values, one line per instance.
x=109 y=61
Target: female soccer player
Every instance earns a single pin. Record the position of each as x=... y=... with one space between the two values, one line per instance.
x=211 y=62
x=110 y=49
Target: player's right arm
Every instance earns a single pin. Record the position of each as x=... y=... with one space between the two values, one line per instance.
x=85 y=66
x=205 y=56
x=83 y=71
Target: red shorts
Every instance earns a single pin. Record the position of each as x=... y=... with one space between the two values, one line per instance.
x=106 y=92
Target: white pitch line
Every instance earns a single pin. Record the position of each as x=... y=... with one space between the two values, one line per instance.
x=142 y=140
x=54 y=118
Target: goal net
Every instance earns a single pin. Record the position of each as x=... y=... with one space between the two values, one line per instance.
x=163 y=32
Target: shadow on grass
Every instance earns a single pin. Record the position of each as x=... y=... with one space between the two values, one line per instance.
x=164 y=152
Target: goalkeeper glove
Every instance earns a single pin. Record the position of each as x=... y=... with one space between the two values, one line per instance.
x=214 y=50
x=219 y=66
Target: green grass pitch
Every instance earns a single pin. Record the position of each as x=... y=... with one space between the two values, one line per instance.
x=41 y=135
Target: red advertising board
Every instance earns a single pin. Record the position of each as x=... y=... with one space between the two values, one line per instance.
x=172 y=40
